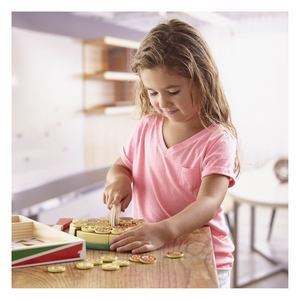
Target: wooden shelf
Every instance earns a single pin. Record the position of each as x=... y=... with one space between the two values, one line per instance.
x=108 y=42
x=108 y=79
x=112 y=75
x=111 y=110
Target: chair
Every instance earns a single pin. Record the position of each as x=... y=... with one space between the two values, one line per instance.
x=278 y=165
x=281 y=169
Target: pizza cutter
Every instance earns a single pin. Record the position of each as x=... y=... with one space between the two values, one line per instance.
x=114 y=217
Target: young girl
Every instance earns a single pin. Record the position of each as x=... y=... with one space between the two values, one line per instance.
x=183 y=155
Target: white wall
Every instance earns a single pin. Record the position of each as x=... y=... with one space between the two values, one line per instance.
x=47 y=122
x=49 y=129
x=253 y=64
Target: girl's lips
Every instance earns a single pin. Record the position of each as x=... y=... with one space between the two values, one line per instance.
x=169 y=113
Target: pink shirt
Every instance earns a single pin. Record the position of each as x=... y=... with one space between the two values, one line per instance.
x=166 y=180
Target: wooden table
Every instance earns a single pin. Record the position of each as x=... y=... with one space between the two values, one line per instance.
x=196 y=269
x=258 y=187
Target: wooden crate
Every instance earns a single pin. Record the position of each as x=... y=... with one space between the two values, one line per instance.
x=35 y=244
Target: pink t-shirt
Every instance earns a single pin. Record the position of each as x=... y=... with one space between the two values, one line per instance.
x=166 y=180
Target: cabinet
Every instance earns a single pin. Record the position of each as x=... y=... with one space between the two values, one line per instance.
x=108 y=80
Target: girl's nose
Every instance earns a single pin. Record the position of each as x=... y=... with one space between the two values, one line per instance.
x=164 y=102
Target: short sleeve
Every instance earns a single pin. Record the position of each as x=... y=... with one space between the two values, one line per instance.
x=128 y=149
x=220 y=156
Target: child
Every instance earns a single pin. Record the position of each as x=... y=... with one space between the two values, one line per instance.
x=178 y=163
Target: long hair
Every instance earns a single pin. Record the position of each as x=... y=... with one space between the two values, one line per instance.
x=179 y=48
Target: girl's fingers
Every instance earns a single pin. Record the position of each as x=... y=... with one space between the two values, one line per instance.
x=109 y=199
x=130 y=243
x=115 y=193
x=143 y=248
x=129 y=247
x=125 y=202
x=121 y=241
x=116 y=200
x=104 y=198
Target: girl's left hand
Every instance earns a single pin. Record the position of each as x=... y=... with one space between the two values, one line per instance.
x=143 y=238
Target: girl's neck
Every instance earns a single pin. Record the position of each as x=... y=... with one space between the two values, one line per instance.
x=177 y=132
x=192 y=125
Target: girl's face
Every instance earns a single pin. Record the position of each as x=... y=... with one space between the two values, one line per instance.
x=169 y=95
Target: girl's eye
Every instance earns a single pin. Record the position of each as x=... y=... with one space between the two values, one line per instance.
x=171 y=93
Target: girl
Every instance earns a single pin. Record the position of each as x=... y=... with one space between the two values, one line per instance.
x=178 y=163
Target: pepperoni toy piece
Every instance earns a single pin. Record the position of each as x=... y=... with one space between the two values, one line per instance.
x=148 y=259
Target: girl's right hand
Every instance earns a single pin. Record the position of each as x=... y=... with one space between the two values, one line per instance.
x=119 y=191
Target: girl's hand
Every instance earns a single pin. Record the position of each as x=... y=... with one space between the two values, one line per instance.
x=143 y=238
x=118 y=191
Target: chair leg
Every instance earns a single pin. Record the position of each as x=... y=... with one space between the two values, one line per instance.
x=271 y=223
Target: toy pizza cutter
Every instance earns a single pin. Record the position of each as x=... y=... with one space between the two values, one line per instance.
x=114 y=217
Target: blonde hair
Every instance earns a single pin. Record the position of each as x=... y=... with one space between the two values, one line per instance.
x=180 y=49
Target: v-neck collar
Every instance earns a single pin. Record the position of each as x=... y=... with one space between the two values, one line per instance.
x=167 y=150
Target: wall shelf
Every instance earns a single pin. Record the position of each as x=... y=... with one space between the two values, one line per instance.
x=109 y=42
x=119 y=107
x=112 y=75
x=111 y=110
x=108 y=80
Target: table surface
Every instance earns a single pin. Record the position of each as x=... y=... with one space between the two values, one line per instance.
x=260 y=187
x=196 y=269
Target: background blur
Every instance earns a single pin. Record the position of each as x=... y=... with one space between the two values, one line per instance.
x=52 y=138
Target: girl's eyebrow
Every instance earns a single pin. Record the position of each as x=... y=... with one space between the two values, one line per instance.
x=166 y=88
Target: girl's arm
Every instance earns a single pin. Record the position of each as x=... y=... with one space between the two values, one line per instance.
x=151 y=236
x=118 y=187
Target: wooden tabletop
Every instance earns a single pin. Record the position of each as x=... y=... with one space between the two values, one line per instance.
x=196 y=269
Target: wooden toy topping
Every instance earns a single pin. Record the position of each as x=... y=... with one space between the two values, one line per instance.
x=56 y=269
x=121 y=263
x=88 y=228
x=175 y=254
x=78 y=224
x=135 y=257
x=110 y=267
x=125 y=221
x=137 y=221
x=148 y=259
x=104 y=220
x=85 y=265
x=93 y=220
x=116 y=231
x=92 y=223
x=102 y=225
x=95 y=261
x=102 y=230
x=108 y=258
